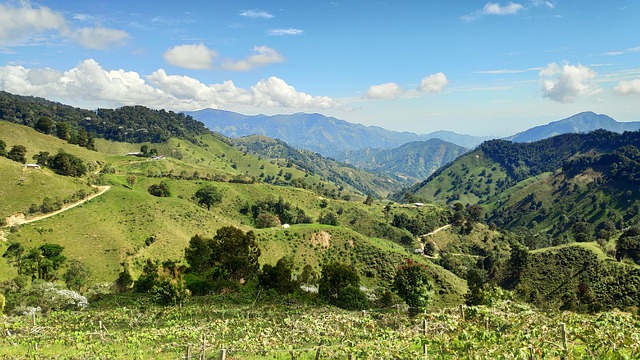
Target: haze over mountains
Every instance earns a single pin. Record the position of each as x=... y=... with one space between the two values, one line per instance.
x=578 y=123
x=315 y=132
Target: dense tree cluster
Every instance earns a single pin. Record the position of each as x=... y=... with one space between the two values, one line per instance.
x=79 y=126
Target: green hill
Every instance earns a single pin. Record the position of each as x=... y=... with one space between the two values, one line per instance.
x=411 y=161
x=127 y=225
x=313 y=163
x=546 y=187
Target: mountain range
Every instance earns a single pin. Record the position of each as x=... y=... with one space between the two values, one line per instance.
x=579 y=123
x=315 y=132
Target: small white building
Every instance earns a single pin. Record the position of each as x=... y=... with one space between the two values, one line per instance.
x=286 y=226
x=31 y=166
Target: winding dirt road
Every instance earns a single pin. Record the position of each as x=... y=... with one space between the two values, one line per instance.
x=20 y=219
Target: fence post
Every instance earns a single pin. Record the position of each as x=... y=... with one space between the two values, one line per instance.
x=318 y=351
x=424 y=327
x=426 y=354
x=34 y=319
x=204 y=341
x=563 y=329
x=462 y=311
x=188 y=351
x=223 y=354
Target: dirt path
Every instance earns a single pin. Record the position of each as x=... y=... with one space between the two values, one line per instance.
x=437 y=230
x=20 y=219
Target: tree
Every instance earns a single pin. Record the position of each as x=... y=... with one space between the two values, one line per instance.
x=131 y=180
x=582 y=231
x=199 y=254
x=329 y=218
x=628 y=245
x=66 y=164
x=159 y=190
x=44 y=125
x=144 y=149
x=41 y=158
x=278 y=277
x=18 y=153
x=14 y=255
x=231 y=253
x=63 y=131
x=475 y=213
x=334 y=278
x=369 y=199
x=237 y=252
x=208 y=195
x=413 y=284
x=3 y=148
x=77 y=275
x=308 y=275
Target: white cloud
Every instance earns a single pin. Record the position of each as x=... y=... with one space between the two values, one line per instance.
x=433 y=83
x=264 y=56
x=545 y=3
x=18 y=24
x=196 y=56
x=384 y=91
x=90 y=85
x=492 y=8
x=256 y=14
x=565 y=83
x=282 y=32
x=628 y=87
x=497 y=9
x=275 y=92
x=98 y=38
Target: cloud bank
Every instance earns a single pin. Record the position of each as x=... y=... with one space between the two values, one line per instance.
x=565 y=83
x=18 y=24
x=89 y=83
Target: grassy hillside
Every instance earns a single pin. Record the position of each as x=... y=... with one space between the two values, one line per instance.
x=314 y=163
x=413 y=161
x=545 y=188
x=127 y=225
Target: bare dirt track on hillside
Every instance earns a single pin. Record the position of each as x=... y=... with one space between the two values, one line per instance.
x=20 y=219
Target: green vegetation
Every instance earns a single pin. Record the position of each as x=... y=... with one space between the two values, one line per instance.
x=192 y=220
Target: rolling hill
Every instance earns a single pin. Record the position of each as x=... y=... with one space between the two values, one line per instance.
x=126 y=225
x=414 y=161
x=314 y=163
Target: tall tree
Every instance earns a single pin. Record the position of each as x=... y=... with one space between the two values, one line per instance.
x=18 y=153
x=413 y=284
x=208 y=195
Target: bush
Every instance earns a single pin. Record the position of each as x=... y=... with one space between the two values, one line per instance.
x=169 y=291
x=2 y=302
x=159 y=190
x=413 y=285
x=352 y=298
x=48 y=297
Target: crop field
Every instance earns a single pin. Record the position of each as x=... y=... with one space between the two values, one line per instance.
x=207 y=328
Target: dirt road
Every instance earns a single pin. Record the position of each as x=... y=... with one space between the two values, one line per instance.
x=20 y=219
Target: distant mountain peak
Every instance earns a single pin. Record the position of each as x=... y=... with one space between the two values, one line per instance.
x=579 y=123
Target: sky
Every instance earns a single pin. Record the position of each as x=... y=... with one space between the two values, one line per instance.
x=474 y=67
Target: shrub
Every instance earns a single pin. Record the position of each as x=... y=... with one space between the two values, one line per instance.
x=352 y=298
x=413 y=285
x=2 y=302
x=159 y=190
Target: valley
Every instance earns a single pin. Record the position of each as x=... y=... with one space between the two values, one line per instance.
x=139 y=211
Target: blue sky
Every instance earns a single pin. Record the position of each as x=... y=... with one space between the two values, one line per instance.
x=474 y=67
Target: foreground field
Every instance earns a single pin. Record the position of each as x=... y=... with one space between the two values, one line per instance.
x=291 y=329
